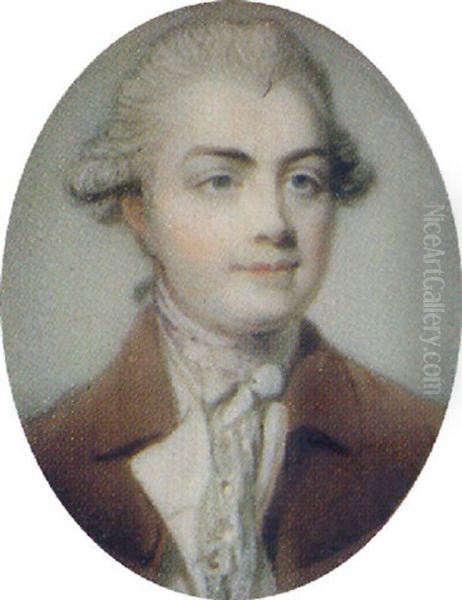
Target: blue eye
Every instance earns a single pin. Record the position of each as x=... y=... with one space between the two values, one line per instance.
x=302 y=182
x=220 y=182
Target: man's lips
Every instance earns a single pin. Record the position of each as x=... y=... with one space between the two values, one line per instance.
x=263 y=268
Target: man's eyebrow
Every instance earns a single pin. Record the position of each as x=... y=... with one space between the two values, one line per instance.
x=303 y=153
x=231 y=153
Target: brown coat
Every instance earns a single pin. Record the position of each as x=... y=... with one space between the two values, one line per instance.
x=355 y=445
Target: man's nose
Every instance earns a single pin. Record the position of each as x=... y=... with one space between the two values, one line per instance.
x=284 y=238
x=273 y=225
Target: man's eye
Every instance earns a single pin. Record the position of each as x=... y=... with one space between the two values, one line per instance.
x=304 y=184
x=219 y=183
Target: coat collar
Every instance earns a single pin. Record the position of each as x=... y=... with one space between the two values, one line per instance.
x=135 y=400
x=134 y=395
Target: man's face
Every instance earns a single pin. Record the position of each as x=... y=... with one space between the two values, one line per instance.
x=240 y=215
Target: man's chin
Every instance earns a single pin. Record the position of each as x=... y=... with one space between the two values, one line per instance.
x=261 y=321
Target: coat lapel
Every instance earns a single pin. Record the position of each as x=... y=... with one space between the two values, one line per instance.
x=135 y=397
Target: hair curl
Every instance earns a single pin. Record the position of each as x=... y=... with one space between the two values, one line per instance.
x=254 y=52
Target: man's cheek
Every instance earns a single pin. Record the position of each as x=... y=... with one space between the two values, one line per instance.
x=193 y=245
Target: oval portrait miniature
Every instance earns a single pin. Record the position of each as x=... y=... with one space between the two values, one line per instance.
x=234 y=338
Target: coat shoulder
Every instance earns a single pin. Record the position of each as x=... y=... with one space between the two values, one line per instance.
x=83 y=451
x=356 y=406
x=394 y=428
x=394 y=416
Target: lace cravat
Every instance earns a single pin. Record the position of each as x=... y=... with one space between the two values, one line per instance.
x=229 y=540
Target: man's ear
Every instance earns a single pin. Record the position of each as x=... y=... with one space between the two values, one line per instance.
x=134 y=214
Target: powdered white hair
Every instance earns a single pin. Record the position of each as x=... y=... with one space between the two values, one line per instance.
x=254 y=53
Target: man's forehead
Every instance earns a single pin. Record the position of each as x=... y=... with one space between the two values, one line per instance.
x=233 y=119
